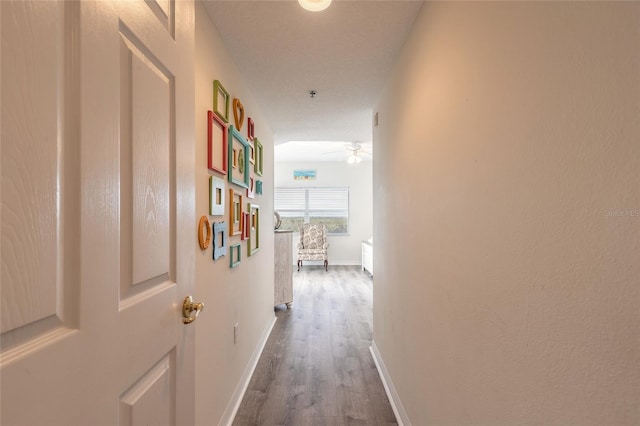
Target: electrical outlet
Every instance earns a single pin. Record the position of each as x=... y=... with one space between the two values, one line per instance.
x=235 y=332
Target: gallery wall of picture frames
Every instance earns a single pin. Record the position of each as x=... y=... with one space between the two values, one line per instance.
x=238 y=156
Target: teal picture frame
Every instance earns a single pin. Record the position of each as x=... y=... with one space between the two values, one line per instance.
x=235 y=255
x=238 y=159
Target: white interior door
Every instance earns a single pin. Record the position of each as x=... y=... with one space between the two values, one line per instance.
x=97 y=212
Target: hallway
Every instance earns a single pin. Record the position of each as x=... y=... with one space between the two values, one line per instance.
x=138 y=184
x=316 y=368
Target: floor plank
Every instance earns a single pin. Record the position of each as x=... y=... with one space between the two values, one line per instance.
x=316 y=368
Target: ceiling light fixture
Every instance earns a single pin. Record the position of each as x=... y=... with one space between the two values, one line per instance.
x=315 y=5
x=354 y=158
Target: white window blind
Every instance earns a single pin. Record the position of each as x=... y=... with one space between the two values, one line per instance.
x=329 y=199
x=289 y=199
x=313 y=205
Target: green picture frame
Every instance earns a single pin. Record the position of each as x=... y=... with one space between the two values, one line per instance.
x=220 y=99
x=253 y=244
x=258 y=166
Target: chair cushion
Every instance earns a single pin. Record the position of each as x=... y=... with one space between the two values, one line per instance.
x=311 y=251
x=319 y=256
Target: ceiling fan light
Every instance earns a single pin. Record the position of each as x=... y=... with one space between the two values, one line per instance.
x=354 y=159
x=315 y=5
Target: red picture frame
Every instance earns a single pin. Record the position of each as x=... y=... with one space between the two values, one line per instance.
x=217 y=161
x=246 y=227
x=251 y=128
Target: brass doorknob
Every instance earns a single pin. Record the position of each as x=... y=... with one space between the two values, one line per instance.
x=189 y=307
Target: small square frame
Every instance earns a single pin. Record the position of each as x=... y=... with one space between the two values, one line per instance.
x=216 y=146
x=216 y=196
x=220 y=92
x=254 y=229
x=235 y=212
x=238 y=150
x=235 y=255
x=258 y=166
x=251 y=189
x=220 y=238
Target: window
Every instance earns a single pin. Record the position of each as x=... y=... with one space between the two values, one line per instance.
x=313 y=205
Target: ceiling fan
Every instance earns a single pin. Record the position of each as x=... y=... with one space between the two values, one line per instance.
x=356 y=151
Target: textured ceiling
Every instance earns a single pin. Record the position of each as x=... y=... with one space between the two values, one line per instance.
x=344 y=53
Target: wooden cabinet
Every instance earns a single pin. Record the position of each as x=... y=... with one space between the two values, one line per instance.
x=367 y=256
x=283 y=288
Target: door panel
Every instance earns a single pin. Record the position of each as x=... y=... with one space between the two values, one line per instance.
x=165 y=12
x=149 y=401
x=147 y=150
x=30 y=256
x=97 y=206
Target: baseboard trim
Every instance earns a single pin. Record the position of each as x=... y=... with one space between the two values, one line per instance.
x=389 y=388
x=349 y=263
x=230 y=412
x=334 y=263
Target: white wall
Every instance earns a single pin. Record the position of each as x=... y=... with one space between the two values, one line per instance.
x=343 y=250
x=244 y=294
x=507 y=212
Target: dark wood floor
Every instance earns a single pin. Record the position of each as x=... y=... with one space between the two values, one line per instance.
x=316 y=368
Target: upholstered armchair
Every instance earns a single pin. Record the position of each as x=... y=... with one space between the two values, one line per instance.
x=313 y=243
